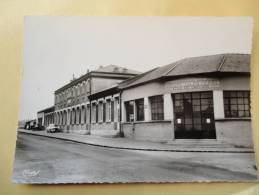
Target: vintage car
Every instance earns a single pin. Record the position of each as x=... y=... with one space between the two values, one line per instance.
x=52 y=128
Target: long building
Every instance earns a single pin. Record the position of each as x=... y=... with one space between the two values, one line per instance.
x=197 y=98
x=73 y=110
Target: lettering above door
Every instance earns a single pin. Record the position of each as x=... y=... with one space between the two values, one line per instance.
x=196 y=84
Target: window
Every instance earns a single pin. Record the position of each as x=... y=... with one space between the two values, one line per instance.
x=79 y=115
x=108 y=110
x=71 y=120
x=93 y=113
x=96 y=113
x=237 y=103
x=104 y=112
x=83 y=115
x=78 y=90
x=87 y=87
x=81 y=89
x=112 y=111
x=157 y=107
x=139 y=109
x=100 y=112
x=129 y=106
x=74 y=114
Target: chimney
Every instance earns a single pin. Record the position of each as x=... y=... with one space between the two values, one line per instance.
x=73 y=78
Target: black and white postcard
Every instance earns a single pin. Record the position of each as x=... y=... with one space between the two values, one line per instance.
x=108 y=99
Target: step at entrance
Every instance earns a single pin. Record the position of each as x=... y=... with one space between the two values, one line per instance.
x=200 y=143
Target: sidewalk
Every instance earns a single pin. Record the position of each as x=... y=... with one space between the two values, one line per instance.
x=131 y=144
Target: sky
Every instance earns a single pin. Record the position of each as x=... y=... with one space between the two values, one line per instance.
x=56 y=47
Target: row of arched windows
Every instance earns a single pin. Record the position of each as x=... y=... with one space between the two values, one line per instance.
x=79 y=115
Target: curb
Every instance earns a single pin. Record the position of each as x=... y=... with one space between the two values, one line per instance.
x=140 y=149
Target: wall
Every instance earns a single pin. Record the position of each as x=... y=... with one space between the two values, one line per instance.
x=237 y=132
x=103 y=126
x=104 y=129
x=79 y=128
x=98 y=84
x=152 y=131
x=235 y=83
x=149 y=89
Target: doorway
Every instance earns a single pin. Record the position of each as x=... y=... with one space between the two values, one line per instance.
x=194 y=115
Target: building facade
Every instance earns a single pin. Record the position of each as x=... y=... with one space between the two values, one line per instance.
x=193 y=99
x=75 y=112
x=197 y=98
x=45 y=117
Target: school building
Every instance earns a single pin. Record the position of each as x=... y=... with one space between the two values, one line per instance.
x=196 y=98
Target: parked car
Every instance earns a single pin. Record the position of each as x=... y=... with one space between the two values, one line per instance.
x=52 y=128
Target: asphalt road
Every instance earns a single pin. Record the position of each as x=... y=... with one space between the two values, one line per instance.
x=47 y=160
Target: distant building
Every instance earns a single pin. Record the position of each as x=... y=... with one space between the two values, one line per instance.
x=45 y=117
x=30 y=124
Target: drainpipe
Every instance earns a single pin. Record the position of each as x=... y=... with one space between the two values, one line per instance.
x=120 y=110
x=90 y=110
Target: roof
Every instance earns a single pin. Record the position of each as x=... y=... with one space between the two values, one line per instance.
x=220 y=63
x=116 y=69
x=104 y=71
x=49 y=109
x=105 y=92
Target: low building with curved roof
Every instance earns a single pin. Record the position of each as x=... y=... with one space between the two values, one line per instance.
x=196 y=98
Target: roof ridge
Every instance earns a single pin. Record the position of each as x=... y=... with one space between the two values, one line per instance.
x=136 y=77
x=221 y=62
x=175 y=65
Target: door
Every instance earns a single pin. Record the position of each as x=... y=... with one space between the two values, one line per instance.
x=194 y=115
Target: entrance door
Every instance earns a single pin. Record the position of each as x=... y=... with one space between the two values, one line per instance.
x=194 y=115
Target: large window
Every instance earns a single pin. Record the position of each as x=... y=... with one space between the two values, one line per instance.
x=129 y=106
x=237 y=103
x=157 y=107
x=139 y=109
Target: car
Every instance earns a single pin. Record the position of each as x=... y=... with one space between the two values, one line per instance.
x=52 y=128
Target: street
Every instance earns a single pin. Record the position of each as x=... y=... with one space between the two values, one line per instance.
x=47 y=160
